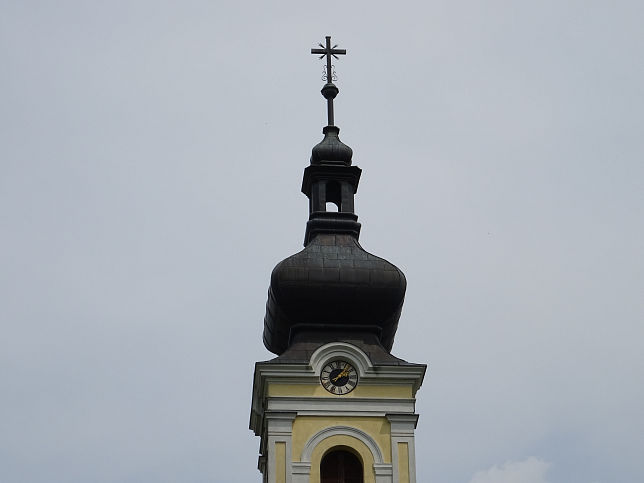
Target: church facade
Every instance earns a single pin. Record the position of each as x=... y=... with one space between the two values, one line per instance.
x=334 y=406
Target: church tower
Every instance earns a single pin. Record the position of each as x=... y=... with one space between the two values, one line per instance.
x=334 y=406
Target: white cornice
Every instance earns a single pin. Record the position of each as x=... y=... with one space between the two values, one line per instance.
x=332 y=405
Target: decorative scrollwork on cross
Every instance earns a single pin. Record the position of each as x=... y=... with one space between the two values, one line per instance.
x=334 y=77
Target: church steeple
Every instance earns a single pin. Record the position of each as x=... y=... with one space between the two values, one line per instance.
x=333 y=284
x=335 y=405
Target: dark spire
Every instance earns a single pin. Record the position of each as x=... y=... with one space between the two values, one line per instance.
x=330 y=150
x=331 y=180
x=332 y=285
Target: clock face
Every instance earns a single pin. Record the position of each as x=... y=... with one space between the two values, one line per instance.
x=339 y=377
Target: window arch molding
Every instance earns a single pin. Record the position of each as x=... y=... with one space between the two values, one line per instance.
x=325 y=433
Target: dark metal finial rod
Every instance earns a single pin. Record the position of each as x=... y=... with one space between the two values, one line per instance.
x=329 y=91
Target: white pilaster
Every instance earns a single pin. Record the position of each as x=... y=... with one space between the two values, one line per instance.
x=279 y=429
x=402 y=431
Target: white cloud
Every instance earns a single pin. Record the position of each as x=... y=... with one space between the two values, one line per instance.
x=532 y=470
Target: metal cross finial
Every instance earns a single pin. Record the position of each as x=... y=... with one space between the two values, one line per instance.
x=329 y=91
x=327 y=52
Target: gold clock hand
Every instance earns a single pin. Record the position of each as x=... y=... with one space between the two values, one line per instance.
x=345 y=372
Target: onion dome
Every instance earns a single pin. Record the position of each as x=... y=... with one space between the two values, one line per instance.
x=333 y=285
x=331 y=150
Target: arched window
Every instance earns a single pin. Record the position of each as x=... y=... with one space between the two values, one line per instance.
x=340 y=467
x=333 y=196
x=331 y=207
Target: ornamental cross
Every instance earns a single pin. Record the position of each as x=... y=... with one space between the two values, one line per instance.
x=327 y=52
x=329 y=91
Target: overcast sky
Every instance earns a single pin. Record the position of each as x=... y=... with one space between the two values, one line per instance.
x=151 y=164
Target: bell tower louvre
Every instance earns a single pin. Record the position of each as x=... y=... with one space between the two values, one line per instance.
x=334 y=406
